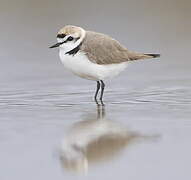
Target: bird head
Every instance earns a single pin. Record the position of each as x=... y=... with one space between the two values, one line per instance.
x=69 y=37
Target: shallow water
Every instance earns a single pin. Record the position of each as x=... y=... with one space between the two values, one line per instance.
x=53 y=131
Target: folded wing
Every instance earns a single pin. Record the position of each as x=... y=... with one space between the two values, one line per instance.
x=102 y=49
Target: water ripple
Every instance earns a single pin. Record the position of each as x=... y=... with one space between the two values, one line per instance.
x=153 y=96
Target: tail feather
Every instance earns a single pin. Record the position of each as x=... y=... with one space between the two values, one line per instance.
x=138 y=56
x=153 y=55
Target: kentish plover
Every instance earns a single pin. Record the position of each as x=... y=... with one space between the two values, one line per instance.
x=93 y=55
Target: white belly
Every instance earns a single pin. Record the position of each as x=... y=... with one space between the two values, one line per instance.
x=81 y=66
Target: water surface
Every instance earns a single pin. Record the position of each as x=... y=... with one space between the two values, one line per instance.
x=50 y=130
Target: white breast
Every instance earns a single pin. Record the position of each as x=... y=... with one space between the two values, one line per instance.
x=81 y=66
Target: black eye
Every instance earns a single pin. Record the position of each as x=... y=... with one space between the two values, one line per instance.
x=70 y=38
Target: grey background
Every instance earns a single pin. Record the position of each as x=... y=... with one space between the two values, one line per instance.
x=28 y=28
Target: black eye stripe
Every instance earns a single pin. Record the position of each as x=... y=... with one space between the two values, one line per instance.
x=70 y=38
x=61 y=35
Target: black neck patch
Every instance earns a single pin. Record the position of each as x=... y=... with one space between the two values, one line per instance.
x=75 y=50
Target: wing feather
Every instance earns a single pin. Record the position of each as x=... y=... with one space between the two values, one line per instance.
x=102 y=49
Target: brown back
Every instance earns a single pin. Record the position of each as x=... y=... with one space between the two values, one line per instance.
x=102 y=49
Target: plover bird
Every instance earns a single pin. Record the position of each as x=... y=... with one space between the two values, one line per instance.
x=94 y=56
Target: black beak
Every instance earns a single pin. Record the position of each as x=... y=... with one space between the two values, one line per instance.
x=56 y=45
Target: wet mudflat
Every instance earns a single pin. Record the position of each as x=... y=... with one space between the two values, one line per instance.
x=50 y=130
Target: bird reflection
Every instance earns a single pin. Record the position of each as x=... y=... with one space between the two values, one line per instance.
x=95 y=140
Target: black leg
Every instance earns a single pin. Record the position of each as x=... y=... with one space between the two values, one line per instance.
x=102 y=91
x=97 y=90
